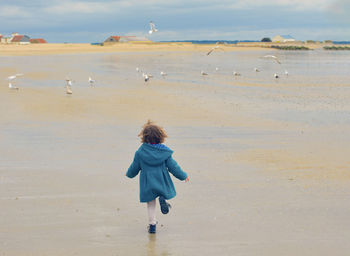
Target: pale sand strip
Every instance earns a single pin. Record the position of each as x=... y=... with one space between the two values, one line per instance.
x=48 y=49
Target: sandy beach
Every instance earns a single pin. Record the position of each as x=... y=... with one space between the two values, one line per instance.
x=268 y=161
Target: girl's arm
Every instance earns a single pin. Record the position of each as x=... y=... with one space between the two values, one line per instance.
x=134 y=167
x=175 y=169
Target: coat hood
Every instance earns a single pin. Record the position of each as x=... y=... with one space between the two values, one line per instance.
x=153 y=155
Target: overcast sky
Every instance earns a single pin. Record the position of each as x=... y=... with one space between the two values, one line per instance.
x=93 y=21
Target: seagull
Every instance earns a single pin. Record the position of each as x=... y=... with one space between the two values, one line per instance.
x=214 y=48
x=137 y=70
x=236 y=73
x=203 y=73
x=286 y=73
x=216 y=69
x=256 y=70
x=91 y=82
x=163 y=74
x=146 y=77
x=13 y=77
x=276 y=76
x=68 y=86
x=273 y=57
x=153 y=27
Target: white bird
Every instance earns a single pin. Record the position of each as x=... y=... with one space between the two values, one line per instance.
x=276 y=75
x=272 y=57
x=137 y=69
x=146 y=76
x=236 y=73
x=163 y=74
x=256 y=70
x=216 y=69
x=91 y=82
x=286 y=73
x=11 y=78
x=214 y=48
x=203 y=73
x=69 y=86
x=153 y=27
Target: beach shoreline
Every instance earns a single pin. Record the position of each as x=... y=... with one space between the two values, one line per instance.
x=79 y=48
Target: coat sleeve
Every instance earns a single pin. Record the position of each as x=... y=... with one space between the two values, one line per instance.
x=175 y=169
x=134 y=167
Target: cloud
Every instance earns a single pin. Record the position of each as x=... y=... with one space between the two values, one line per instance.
x=7 y=11
x=68 y=20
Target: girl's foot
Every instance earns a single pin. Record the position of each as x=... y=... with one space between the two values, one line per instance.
x=152 y=229
x=164 y=206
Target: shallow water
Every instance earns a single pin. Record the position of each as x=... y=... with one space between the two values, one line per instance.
x=317 y=67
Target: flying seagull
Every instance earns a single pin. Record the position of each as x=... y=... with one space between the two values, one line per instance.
x=11 y=78
x=214 y=48
x=272 y=57
x=153 y=27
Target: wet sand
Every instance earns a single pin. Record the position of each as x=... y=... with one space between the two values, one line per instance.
x=267 y=177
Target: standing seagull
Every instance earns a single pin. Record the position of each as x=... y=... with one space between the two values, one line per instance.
x=286 y=73
x=91 y=82
x=153 y=27
x=145 y=76
x=272 y=57
x=203 y=73
x=11 y=78
x=214 y=48
x=163 y=74
x=276 y=76
x=69 y=86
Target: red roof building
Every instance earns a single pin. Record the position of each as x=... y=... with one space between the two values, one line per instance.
x=38 y=41
x=113 y=39
x=20 y=39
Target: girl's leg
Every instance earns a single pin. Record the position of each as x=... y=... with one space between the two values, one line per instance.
x=151 y=208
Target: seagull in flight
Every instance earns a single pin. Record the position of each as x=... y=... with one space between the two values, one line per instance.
x=153 y=28
x=11 y=78
x=214 y=48
x=272 y=57
x=91 y=82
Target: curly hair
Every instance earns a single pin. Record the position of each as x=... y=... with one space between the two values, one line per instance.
x=152 y=133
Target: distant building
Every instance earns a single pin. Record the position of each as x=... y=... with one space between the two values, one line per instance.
x=283 y=39
x=20 y=39
x=37 y=41
x=112 y=39
x=124 y=39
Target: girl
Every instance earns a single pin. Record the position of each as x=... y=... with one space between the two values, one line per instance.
x=154 y=160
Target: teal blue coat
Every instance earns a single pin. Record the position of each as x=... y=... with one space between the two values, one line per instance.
x=155 y=163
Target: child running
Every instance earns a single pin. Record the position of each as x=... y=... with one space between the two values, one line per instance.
x=155 y=161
